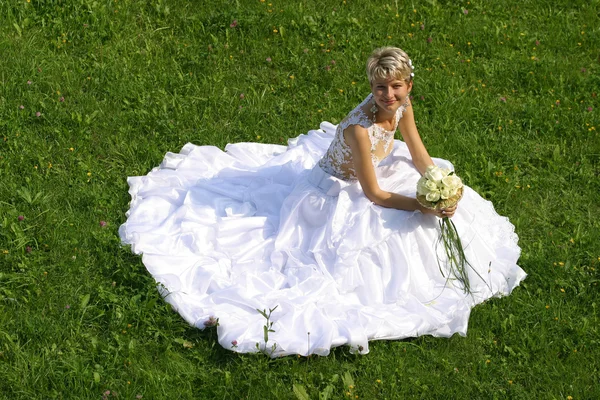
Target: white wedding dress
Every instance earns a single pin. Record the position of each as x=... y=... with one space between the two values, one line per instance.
x=262 y=226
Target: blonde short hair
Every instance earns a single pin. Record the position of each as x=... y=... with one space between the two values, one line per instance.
x=389 y=62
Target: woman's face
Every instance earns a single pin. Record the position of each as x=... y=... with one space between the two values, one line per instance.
x=390 y=93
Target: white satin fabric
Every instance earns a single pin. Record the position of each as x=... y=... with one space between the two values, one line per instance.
x=261 y=226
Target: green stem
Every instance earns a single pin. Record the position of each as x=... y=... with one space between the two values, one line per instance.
x=456 y=258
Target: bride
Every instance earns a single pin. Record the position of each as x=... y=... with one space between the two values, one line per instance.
x=297 y=249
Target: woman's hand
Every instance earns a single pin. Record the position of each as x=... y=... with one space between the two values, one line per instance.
x=447 y=212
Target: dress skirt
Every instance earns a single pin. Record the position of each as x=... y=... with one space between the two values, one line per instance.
x=262 y=227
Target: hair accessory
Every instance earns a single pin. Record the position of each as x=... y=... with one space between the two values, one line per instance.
x=412 y=67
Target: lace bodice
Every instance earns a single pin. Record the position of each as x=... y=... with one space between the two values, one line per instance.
x=338 y=162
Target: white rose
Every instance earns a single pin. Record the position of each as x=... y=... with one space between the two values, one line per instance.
x=445 y=193
x=434 y=174
x=445 y=171
x=431 y=186
x=448 y=182
x=452 y=182
x=422 y=188
x=433 y=196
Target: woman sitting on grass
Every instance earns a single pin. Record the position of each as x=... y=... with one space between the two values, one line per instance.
x=296 y=249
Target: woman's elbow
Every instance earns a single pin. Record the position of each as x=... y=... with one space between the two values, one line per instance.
x=377 y=196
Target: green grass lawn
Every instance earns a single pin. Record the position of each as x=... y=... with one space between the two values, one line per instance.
x=94 y=91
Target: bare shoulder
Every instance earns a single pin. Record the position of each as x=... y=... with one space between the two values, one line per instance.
x=407 y=124
x=355 y=133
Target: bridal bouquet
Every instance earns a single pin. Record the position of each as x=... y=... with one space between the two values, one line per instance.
x=440 y=188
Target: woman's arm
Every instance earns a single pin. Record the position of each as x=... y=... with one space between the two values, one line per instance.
x=357 y=138
x=408 y=129
x=419 y=154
